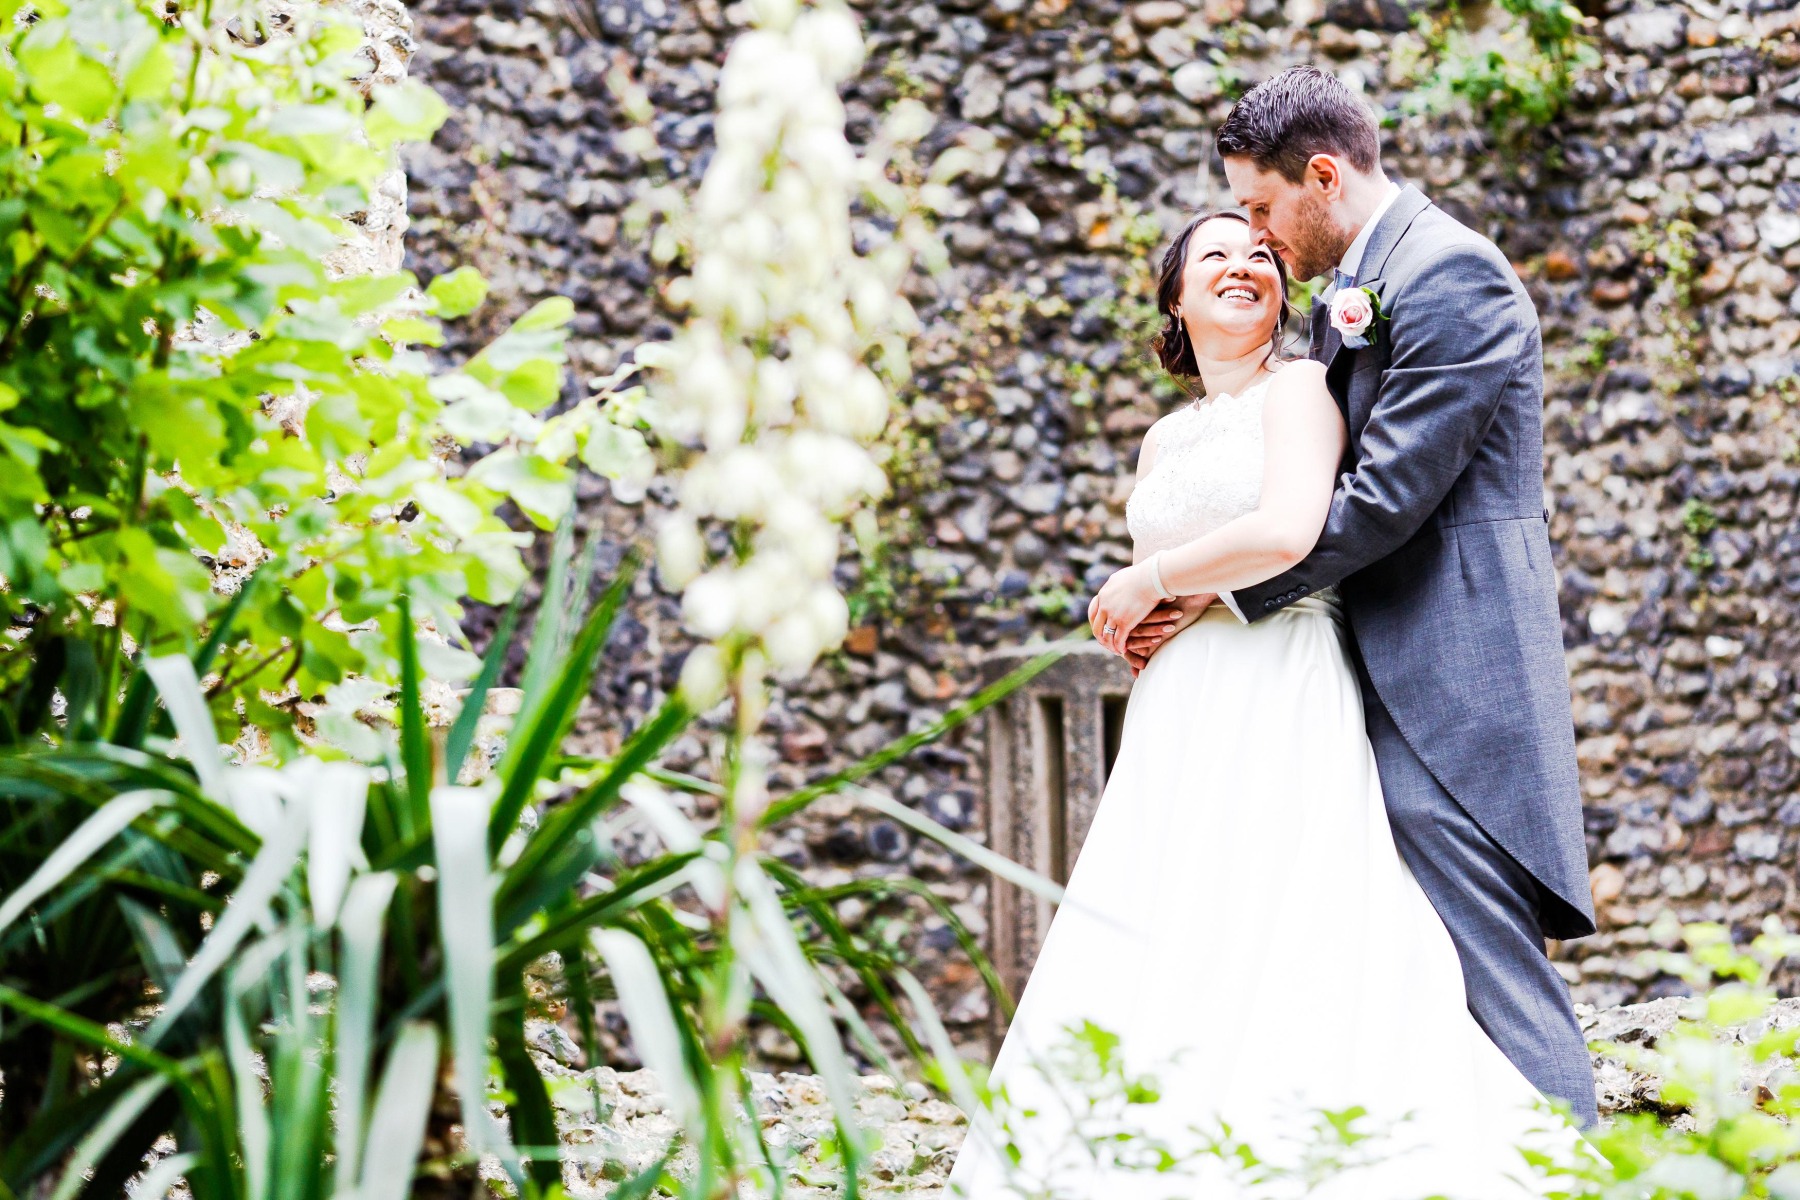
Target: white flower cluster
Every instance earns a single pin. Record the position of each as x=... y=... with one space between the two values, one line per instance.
x=769 y=383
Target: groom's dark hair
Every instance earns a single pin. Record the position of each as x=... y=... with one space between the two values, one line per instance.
x=1291 y=116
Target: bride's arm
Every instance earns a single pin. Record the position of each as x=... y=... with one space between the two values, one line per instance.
x=1303 y=439
x=1303 y=446
x=1146 y=460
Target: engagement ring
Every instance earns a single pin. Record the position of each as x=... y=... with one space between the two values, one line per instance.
x=1110 y=629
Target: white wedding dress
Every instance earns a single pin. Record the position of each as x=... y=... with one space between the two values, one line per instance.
x=1239 y=914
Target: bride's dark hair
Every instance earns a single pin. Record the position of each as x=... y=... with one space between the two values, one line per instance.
x=1174 y=349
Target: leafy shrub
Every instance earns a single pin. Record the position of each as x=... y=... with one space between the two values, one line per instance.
x=1517 y=82
x=191 y=381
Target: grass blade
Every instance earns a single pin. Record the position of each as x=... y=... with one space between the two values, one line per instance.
x=254 y=1133
x=534 y=1121
x=563 y=849
x=771 y=949
x=338 y=795
x=118 y=1117
x=161 y=1179
x=89 y=1032
x=360 y=926
x=462 y=730
x=535 y=738
x=654 y=1033
x=415 y=751
x=550 y=629
x=397 y=1124
x=87 y=839
x=634 y=887
x=134 y=714
x=975 y=852
x=899 y=748
x=466 y=925
x=181 y=695
x=956 y=1079
x=265 y=878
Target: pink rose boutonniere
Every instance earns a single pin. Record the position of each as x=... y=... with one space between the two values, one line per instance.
x=1354 y=312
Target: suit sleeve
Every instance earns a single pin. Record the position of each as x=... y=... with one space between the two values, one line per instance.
x=1456 y=335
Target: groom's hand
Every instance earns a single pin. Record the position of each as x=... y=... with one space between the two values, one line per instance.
x=1164 y=622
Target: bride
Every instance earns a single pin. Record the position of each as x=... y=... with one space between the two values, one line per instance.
x=1239 y=916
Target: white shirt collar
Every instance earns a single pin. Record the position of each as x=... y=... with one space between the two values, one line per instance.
x=1354 y=255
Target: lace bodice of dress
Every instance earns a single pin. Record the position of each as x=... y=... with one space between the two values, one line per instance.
x=1208 y=471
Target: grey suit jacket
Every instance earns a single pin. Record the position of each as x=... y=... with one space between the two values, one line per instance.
x=1438 y=541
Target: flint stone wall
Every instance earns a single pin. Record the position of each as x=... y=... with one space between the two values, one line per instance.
x=1672 y=449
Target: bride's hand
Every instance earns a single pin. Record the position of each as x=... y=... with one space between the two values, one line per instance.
x=1164 y=622
x=1125 y=601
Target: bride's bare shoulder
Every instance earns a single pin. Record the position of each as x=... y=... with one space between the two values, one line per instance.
x=1301 y=376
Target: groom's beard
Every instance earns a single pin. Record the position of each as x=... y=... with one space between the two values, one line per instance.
x=1318 y=242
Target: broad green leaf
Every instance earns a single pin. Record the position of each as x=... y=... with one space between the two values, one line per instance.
x=412 y=329
x=543 y=490
x=407 y=111
x=61 y=74
x=458 y=293
x=552 y=312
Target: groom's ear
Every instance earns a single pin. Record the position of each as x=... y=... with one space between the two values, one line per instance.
x=1326 y=173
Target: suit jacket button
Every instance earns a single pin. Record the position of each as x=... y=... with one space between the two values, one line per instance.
x=1268 y=606
x=1301 y=590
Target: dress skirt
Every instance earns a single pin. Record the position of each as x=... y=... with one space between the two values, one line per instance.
x=1240 y=918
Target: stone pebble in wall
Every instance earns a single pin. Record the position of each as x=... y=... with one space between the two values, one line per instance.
x=1657 y=228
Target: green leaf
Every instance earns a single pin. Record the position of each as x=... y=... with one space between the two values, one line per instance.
x=553 y=312
x=59 y=73
x=407 y=111
x=412 y=329
x=654 y=1033
x=459 y=818
x=543 y=490
x=458 y=293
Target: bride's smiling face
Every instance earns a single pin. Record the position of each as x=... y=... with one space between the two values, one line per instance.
x=1231 y=290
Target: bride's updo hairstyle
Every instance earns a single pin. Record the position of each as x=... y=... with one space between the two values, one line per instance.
x=1173 y=347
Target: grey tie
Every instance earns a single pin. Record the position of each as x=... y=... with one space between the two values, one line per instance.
x=1344 y=279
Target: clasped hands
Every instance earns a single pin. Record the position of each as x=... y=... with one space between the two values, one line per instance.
x=1130 y=618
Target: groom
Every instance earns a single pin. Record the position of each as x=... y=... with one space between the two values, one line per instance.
x=1437 y=540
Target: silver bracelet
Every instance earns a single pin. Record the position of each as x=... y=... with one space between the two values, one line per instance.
x=1156 y=577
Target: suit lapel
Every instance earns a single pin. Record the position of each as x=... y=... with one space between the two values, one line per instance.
x=1394 y=223
x=1393 y=226
x=1332 y=342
